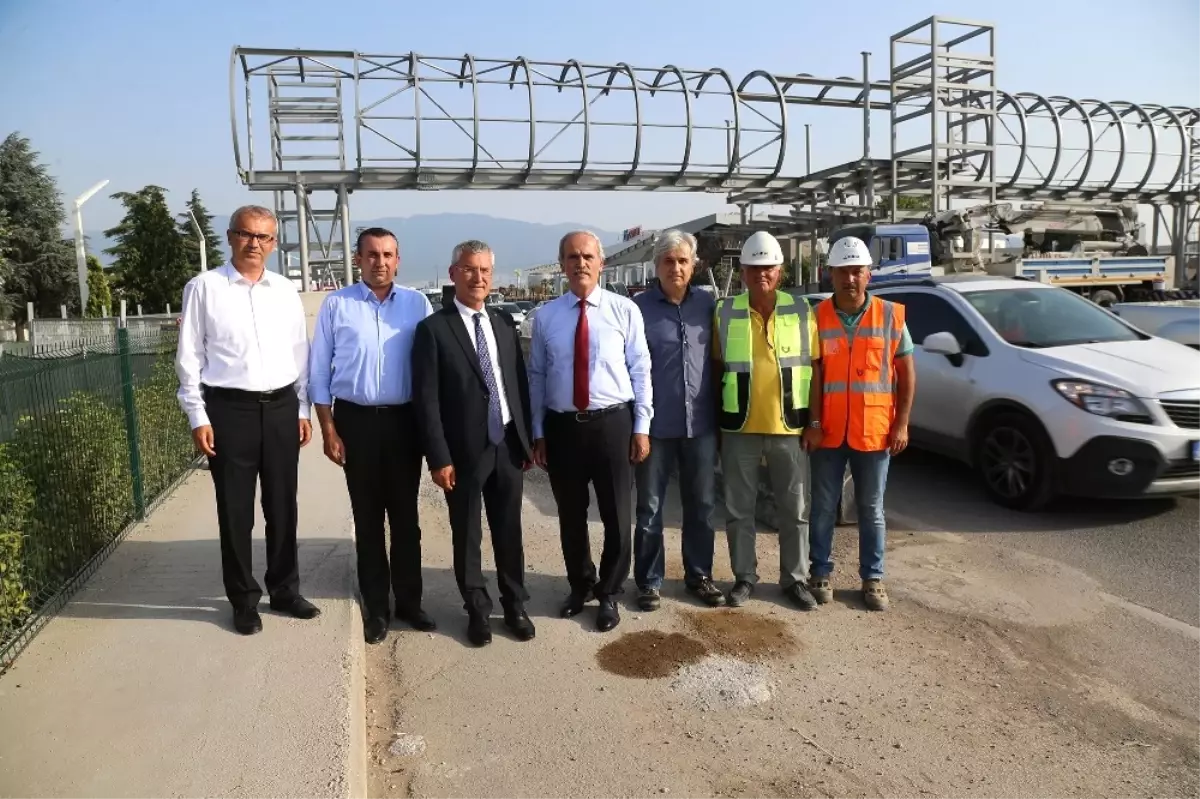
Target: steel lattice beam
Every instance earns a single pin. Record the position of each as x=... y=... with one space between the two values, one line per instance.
x=340 y=121
x=403 y=135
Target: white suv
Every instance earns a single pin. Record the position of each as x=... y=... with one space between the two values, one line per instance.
x=1044 y=392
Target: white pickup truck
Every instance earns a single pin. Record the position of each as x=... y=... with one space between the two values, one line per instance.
x=1175 y=320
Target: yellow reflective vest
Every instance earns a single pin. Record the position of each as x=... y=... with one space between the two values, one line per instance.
x=790 y=326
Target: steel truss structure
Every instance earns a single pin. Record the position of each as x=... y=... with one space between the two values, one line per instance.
x=333 y=122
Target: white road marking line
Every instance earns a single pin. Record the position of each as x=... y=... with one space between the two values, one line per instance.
x=1153 y=616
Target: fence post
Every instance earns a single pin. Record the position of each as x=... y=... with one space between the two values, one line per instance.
x=131 y=421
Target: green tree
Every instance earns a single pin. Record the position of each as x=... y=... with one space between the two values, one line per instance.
x=151 y=265
x=903 y=203
x=99 y=293
x=191 y=244
x=39 y=263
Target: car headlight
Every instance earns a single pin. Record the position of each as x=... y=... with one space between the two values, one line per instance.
x=1103 y=400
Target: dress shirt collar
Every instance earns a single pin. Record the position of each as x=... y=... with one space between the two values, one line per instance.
x=368 y=293
x=593 y=298
x=469 y=313
x=234 y=276
x=661 y=295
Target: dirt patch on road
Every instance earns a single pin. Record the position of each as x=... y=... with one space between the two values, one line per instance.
x=649 y=654
x=742 y=634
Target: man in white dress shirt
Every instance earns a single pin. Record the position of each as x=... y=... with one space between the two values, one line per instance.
x=242 y=363
x=591 y=400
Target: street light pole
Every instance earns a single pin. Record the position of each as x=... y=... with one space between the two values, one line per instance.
x=203 y=242
x=80 y=250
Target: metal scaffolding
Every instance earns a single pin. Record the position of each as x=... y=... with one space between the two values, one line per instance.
x=334 y=122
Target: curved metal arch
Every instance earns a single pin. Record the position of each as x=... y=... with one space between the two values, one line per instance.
x=587 y=121
x=1130 y=108
x=687 y=108
x=237 y=150
x=1090 y=153
x=469 y=62
x=637 y=115
x=1101 y=105
x=1023 y=143
x=735 y=152
x=1041 y=101
x=1163 y=110
x=782 y=116
x=523 y=62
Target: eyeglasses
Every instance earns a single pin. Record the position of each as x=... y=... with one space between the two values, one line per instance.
x=246 y=235
x=470 y=271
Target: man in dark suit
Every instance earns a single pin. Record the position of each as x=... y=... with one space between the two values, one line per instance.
x=472 y=401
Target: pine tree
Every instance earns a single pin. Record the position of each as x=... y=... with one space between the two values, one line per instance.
x=151 y=266
x=191 y=243
x=99 y=293
x=39 y=264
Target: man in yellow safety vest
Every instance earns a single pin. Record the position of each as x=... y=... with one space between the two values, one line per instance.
x=766 y=347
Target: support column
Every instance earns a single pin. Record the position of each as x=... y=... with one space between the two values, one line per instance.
x=302 y=238
x=347 y=254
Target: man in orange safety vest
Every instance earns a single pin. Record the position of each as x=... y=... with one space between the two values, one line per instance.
x=867 y=389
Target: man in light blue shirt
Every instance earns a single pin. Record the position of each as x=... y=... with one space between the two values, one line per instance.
x=360 y=383
x=591 y=400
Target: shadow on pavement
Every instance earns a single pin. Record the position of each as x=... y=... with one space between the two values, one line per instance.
x=181 y=581
x=930 y=487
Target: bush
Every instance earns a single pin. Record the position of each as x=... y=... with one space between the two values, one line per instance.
x=14 y=517
x=164 y=437
x=77 y=459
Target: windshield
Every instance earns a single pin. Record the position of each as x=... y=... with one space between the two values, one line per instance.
x=1047 y=317
x=509 y=307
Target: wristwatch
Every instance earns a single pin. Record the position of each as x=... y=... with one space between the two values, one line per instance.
x=815 y=424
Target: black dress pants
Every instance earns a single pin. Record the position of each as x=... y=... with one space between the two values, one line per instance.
x=494 y=483
x=256 y=439
x=594 y=451
x=383 y=476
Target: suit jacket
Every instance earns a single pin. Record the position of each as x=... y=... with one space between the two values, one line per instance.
x=449 y=393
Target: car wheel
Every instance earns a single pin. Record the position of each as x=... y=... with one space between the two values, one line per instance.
x=1104 y=298
x=1016 y=461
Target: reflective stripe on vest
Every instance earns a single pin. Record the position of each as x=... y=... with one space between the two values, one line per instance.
x=857 y=379
x=791 y=335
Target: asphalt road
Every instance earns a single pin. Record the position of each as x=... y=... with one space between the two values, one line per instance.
x=1146 y=551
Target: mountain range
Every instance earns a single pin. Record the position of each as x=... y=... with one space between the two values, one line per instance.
x=427 y=241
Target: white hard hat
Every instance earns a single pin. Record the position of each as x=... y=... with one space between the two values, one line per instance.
x=762 y=249
x=848 y=251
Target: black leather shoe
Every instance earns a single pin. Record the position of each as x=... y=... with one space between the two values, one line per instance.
x=741 y=593
x=375 y=629
x=800 y=596
x=479 y=630
x=247 y=621
x=608 y=617
x=519 y=624
x=574 y=604
x=417 y=619
x=297 y=606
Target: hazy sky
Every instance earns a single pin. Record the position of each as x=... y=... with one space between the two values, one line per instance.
x=137 y=91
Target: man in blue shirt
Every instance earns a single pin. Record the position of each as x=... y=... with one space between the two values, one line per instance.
x=678 y=320
x=360 y=382
x=590 y=393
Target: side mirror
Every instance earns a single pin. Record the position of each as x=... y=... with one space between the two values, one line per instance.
x=944 y=343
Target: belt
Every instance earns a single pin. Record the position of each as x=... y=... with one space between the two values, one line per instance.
x=338 y=402
x=587 y=416
x=249 y=396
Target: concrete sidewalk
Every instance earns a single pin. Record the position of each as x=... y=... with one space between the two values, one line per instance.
x=142 y=688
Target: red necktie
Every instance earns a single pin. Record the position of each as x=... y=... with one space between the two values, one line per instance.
x=582 y=392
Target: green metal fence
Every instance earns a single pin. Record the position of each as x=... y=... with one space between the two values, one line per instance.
x=91 y=436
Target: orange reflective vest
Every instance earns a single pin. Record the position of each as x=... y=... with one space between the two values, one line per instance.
x=858 y=380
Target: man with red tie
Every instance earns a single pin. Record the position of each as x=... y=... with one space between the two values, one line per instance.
x=591 y=398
